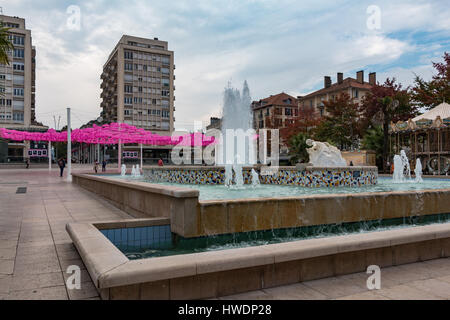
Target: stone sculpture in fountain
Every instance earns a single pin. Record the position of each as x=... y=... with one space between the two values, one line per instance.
x=322 y=154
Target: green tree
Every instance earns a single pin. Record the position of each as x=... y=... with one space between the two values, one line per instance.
x=5 y=45
x=383 y=104
x=373 y=140
x=341 y=122
x=297 y=148
x=428 y=94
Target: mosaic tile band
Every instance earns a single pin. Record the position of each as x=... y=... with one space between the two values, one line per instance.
x=310 y=177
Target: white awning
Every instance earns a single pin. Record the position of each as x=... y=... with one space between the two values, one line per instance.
x=442 y=110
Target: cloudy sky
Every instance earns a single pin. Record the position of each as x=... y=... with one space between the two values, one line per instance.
x=276 y=45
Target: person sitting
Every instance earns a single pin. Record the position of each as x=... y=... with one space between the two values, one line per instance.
x=160 y=162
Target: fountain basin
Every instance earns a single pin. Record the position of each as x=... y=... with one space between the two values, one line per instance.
x=220 y=273
x=191 y=217
x=309 y=177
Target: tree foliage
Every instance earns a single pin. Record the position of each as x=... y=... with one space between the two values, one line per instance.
x=385 y=103
x=305 y=122
x=373 y=140
x=428 y=94
x=340 y=125
x=297 y=148
x=5 y=45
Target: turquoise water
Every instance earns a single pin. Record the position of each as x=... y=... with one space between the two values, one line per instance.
x=178 y=245
x=220 y=192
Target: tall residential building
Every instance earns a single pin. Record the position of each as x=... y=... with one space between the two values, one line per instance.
x=138 y=85
x=356 y=89
x=17 y=86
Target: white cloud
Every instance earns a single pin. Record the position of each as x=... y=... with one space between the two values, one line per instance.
x=276 y=45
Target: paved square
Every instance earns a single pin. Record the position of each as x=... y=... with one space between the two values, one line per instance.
x=35 y=249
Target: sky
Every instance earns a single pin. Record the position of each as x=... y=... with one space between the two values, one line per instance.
x=276 y=45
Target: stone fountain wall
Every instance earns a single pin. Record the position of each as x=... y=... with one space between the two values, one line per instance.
x=307 y=177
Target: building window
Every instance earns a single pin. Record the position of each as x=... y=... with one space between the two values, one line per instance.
x=164 y=70
x=165 y=82
x=128 y=55
x=18 y=79
x=288 y=111
x=165 y=60
x=128 y=89
x=165 y=114
x=18 y=66
x=129 y=66
x=355 y=93
x=18 y=40
x=165 y=93
x=18 y=92
x=128 y=100
x=19 y=53
x=18 y=117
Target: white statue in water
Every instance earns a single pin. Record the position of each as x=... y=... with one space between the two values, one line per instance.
x=123 y=170
x=322 y=154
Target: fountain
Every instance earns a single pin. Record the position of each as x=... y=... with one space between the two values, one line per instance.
x=137 y=172
x=190 y=212
x=239 y=177
x=228 y=175
x=398 y=176
x=418 y=171
x=123 y=171
x=255 y=178
x=237 y=146
x=405 y=161
x=402 y=169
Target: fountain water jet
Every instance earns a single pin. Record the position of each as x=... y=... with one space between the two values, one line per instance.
x=255 y=178
x=123 y=171
x=398 y=176
x=405 y=162
x=418 y=171
x=238 y=145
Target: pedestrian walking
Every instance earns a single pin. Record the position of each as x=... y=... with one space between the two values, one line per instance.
x=96 y=166
x=104 y=163
x=62 y=165
x=27 y=162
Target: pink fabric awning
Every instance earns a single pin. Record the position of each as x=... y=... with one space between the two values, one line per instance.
x=109 y=134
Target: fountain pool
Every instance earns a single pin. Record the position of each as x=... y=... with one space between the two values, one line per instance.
x=159 y=242
x=222 y=192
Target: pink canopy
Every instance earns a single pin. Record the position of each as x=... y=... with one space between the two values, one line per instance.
x=109 y=134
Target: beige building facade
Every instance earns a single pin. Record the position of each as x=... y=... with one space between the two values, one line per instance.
x=355 y=88
x=17 y=86
x=138 y=85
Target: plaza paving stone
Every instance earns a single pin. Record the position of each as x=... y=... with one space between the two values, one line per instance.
x=35 y=250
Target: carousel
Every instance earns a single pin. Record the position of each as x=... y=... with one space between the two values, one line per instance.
x=426 y=137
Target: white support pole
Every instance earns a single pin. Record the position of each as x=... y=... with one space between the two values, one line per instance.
x=142 y=160
x=69 y=148
x=119 y=156
x=49 y=153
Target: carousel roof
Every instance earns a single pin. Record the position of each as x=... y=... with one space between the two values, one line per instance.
x=442 y=111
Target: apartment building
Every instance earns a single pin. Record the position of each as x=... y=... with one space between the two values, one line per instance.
x=138 y=85
x=17 y=86
x=276 y=111
x=356 y=88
